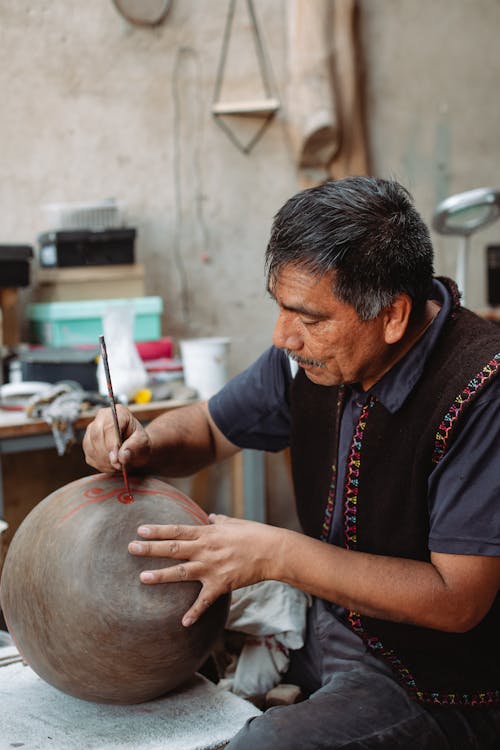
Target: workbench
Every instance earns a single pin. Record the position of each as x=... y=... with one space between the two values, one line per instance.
x=34 y=715
x=20 y=434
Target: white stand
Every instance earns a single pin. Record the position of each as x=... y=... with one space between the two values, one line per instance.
x=33 y=714
x=462 y=266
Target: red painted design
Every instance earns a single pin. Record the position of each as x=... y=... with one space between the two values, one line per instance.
x=99 y=495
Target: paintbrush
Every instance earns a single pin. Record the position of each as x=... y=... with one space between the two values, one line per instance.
x=112 y=403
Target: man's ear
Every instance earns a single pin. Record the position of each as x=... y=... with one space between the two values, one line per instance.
x=397 y=316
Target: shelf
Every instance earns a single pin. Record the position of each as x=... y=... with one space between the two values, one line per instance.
x=253 y=108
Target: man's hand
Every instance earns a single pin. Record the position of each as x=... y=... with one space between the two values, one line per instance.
x=451 y=593
x=225 y=555
x=178 y=443
x=100 y=444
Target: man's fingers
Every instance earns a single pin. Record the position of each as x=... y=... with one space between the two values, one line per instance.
x=113 y=460
x=202 y=603
x=100 y=443
x=185 y=571
x=122 y=456
x=169 y=531
x=177 y=550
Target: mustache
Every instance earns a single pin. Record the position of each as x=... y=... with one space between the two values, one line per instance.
x=303 y=360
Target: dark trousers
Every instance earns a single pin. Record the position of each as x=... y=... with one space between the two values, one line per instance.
x=363 y=708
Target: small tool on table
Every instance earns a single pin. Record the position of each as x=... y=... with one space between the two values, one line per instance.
x=112 y=403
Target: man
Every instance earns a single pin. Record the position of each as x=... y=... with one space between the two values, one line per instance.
x=393 y=421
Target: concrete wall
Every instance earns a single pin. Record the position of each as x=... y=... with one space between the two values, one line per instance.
x=433 y=72
x=93 y=107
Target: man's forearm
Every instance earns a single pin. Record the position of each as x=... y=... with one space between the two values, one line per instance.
x=181 y=442
x=451 y=592
x=184 y=441
x=452 y=597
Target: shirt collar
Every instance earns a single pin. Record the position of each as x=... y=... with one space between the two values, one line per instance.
x=395 y=386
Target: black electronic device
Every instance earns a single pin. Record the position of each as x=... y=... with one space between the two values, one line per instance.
x=15 y=265
x=493 y=269
x=82 y=247
x=53 y=364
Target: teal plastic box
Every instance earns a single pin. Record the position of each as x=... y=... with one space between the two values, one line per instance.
x=74 y=323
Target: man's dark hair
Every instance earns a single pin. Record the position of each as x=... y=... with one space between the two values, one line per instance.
x=364 y=228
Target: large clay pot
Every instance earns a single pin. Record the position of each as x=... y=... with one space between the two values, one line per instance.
x=74 y=604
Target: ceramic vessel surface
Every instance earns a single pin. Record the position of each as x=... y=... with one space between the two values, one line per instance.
x=74 y=604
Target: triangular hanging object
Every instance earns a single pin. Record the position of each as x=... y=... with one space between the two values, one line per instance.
x=225 y=107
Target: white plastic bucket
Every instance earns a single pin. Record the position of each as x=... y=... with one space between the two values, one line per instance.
x=3 y=527
x=205 y=364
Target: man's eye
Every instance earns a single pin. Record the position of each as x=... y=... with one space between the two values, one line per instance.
x=309 y=322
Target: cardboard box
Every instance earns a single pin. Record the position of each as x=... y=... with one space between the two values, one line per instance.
x=90 y=282
x=10 y=328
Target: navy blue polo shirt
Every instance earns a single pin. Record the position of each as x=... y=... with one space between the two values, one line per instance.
x=463 y=490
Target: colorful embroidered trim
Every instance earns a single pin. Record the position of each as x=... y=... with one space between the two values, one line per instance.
x=327 y=521
x=473 y=387
x=330 y=503
x=350 y=515
x=486 y=697
x=351 y=488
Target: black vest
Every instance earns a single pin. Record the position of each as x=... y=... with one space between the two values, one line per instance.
x=385 y=501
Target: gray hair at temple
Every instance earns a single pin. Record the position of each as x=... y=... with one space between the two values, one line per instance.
x=368 y=231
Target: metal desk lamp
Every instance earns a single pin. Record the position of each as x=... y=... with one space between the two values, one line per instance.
x=463 y=214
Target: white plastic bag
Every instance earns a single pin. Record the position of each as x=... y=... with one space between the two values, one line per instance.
x=128 y=374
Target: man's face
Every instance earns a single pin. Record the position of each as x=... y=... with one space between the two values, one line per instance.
x=324 y=335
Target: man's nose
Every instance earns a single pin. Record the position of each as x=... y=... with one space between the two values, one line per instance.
x=285 y=335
